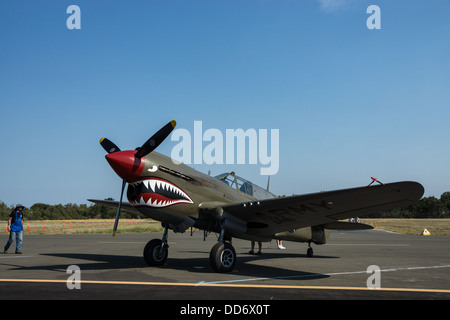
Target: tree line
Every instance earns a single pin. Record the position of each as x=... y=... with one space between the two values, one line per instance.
x=427 y=207
x=42 y=211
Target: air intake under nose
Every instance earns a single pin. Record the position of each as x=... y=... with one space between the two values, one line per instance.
x=126 y=165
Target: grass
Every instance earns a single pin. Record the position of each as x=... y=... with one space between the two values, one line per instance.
x=437 y=227
x=88 y=226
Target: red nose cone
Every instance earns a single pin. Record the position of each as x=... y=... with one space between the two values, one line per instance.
x=126 y=165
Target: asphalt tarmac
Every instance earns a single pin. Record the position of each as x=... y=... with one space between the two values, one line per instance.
x=406 y=267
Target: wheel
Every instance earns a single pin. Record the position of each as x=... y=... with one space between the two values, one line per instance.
x=310 y=252
x=152 y=253
x=222 y=257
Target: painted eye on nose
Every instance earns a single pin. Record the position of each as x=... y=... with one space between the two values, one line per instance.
x=153 y=168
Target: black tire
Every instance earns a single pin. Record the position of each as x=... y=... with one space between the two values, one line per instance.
x=222 y=257
x=151 y=253
x=309 y=253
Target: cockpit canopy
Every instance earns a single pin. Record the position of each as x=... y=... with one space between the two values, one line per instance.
x=245 y=186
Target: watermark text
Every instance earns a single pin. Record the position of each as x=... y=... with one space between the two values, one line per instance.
x=228 y=148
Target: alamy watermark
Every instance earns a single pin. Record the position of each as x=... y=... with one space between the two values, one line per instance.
x=74 y=280
x=74 y=20
x=374 y=280
x=212 y=146
x=374 y=20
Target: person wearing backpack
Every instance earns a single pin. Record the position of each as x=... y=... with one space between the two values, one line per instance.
x=15 y=227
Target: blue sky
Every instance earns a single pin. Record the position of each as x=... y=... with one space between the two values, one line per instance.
x=350 y=103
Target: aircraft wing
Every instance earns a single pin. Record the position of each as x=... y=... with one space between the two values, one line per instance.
x=267 y=217
x=126 y=206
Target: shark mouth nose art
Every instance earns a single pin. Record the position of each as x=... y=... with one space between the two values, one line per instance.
x=156 y=193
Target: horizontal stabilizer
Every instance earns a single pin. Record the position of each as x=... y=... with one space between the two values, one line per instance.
x=338 y=225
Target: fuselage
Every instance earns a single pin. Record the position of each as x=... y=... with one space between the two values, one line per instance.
x=167 y=191
x=180 y=196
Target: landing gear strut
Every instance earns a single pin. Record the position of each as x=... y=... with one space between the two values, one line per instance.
x=156 y=250
x=309 y=252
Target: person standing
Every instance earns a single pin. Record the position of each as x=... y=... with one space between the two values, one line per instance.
x=280 y=245
x=252 y=250
x=15 y=227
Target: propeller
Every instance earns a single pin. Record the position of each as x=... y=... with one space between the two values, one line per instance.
x=150 y=145
x=116 y=222
x=109 y=146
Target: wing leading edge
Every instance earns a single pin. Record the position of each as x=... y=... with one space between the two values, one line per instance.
x=267 y=217
x=114 y=204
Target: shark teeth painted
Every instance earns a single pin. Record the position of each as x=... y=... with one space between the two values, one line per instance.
x=156 y=193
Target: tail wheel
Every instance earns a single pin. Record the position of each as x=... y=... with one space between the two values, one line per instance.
x=309 y=252
x=152 y=253
x=222 y=257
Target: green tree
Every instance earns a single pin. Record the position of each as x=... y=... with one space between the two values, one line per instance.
x=428 y=207
x=445 y=199
x=4 y=211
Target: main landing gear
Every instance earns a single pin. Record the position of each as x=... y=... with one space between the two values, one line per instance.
x=222 y=256
x=156 y=250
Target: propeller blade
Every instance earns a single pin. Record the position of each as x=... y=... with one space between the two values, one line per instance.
x=152 y=143
x=124 y=181
x=108 y=145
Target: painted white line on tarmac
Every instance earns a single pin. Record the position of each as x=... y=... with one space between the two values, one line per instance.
x=320 y=275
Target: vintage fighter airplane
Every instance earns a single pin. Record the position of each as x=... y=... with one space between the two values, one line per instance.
x=181 y=197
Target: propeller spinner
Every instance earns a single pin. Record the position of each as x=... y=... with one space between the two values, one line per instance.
x=128 y=164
